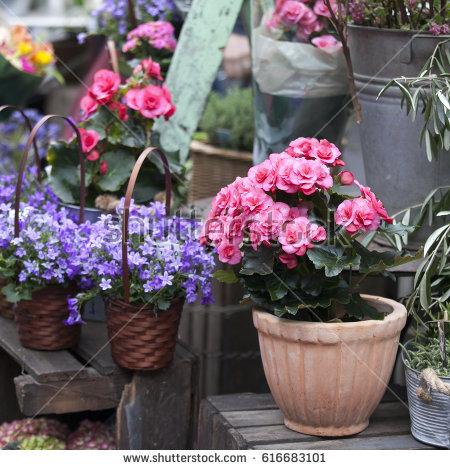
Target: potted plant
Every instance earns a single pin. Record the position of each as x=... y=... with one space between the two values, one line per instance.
x=146 y=279
x=34 y=195
x=428 y=382
x=327 y=350
x=221 y=150
x=399 y=37
x=299 y=75
x=23 y=64
x=116 y=125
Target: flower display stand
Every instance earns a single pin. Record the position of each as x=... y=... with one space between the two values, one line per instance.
x=86 y=378
x=253 y=421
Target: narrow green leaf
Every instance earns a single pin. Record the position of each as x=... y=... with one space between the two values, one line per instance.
x=434 y=237
x=443 y=99
x=428 y=145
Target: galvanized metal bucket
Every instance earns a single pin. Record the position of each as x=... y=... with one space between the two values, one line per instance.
x=430 y=421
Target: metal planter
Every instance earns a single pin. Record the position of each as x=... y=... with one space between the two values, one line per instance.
x=430 y=422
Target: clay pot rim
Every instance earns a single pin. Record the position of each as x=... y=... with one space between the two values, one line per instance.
x=397 y=314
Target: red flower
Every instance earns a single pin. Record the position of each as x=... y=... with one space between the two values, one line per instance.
x=150 y=101
x=103 y=167
x=93 y=155
x=106 y=83
x=88 y=105
x=89 y=139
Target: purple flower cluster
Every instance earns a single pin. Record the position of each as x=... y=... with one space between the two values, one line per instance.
x=51 y=248
x=117 y=11
x=165 y=260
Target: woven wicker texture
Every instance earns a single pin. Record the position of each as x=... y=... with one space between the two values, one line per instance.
x=139 y=339
x=7 y=309
x=213 y=168
x=40 y=321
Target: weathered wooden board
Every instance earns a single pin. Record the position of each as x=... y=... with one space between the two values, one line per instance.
x=44 y=366
x=158 y=409
x=252 y=421
x=94 y=348
x=95 y=392
x=403 y=442
x=193 y=68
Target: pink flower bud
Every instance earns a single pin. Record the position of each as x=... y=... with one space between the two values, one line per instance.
x=346 y=177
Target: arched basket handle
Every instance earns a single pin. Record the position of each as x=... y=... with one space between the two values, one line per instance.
x=24 y=162
x=30 y=128
x=126 y=209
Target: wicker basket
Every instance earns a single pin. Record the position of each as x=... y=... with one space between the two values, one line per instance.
x=40 y=321
x=213 y=168
x=140 y=340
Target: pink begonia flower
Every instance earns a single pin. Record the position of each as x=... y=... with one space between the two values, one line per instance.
x=282 y=164
x=322 y=10
x=263 y=175
x=304 y=175
x=93 y=155
x=326 y=152
x=298 y=235
x=150 y=101
x=309 y=18
x=89 y=139
x=256 y=200
x=88 y=105
x=301 y=147
x=228 y=252
x=304 y=30
x=235 y=202
x=327 y=40
x=290 y=261
x=115 y=106
x=357 y=214
x=170 y=108
x=106 y=83
x=301 y=210
x=103 y=168
x=278 y=5
x=267 y=224
x=274 y=22
x=346 y=178
x=291 y=12
x=377 y=205
x=324 y=178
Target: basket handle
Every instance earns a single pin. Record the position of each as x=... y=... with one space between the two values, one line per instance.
x=126 y=209
x=132 y=14
x=30 y=128
x=24 y=161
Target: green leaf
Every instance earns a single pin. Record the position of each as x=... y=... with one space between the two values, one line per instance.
x=435 y=237
x=258 y=261
x=120 y=164
x=332 y=259
x=163 y=304
x=360 y=309
x=64 y=175
x=376 y=261
x=397 y=229
x=11 y=294
x=428 y=148
x=227 y=276
x=276 y=287
x=99 y=121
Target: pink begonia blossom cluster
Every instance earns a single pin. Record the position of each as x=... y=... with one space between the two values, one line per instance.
x=308 y=20
x=144 y=92
x=248 y=206
x=159 y=34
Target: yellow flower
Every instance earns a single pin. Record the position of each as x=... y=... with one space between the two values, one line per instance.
x=43 y=58
x=25 y=48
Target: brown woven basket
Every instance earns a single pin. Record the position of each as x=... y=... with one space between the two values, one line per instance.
x=213 y=168
x=40 y=324
x=140 y=340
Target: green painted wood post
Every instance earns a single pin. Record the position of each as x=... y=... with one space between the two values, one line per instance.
x=193 y=69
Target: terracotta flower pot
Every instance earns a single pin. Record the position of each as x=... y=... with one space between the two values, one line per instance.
x=328 y=378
